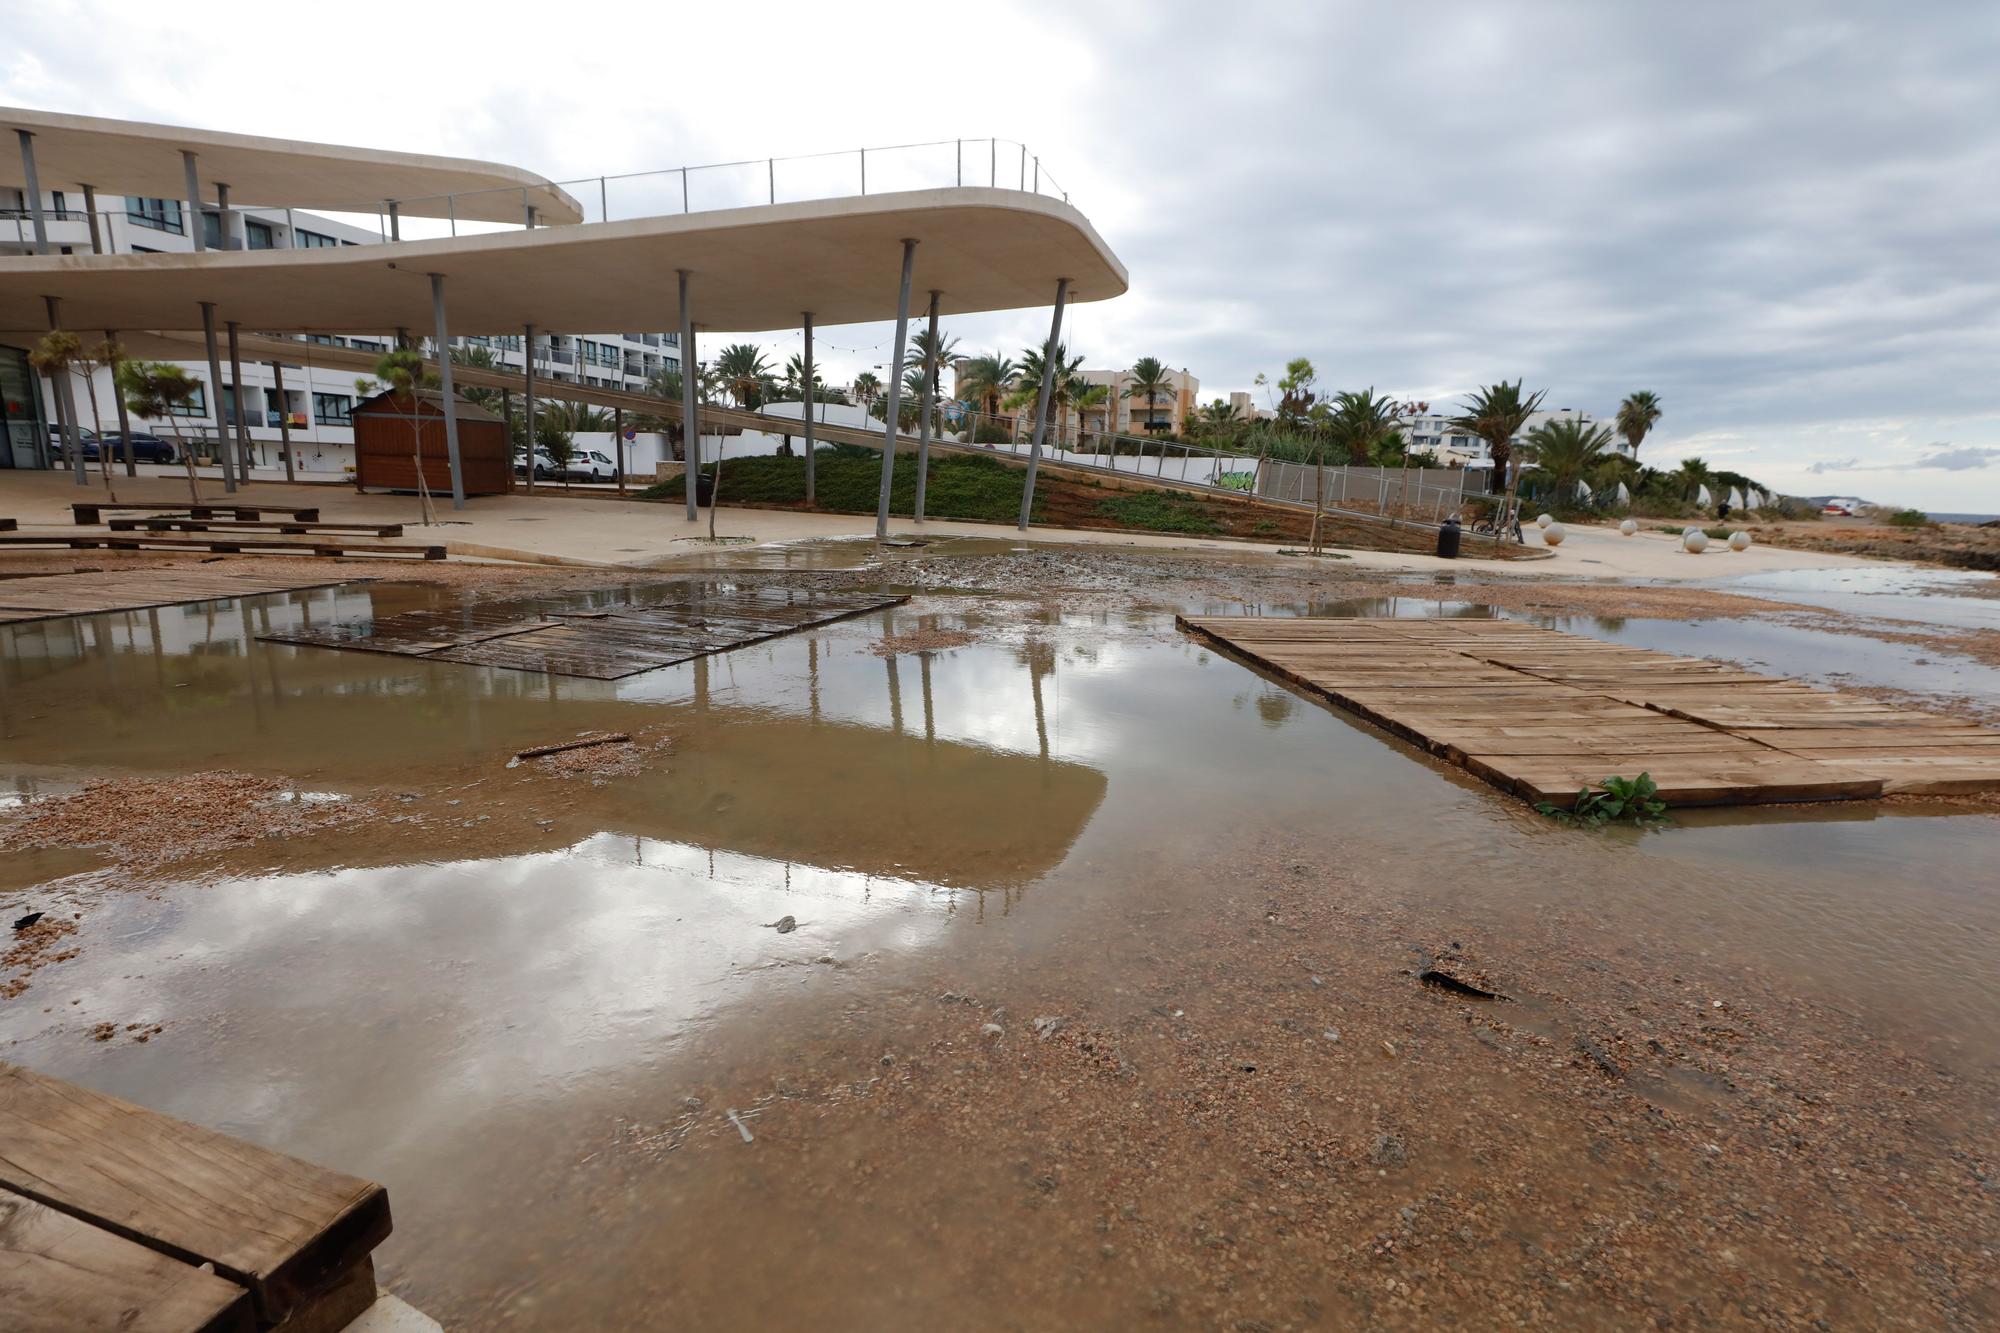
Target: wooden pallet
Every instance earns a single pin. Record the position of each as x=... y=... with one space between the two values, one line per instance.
x=108 y=1212
x=598 y=643
x=88 y=513
x=53 y=596
x=167 y=523
x=218 y=544
x=1545 y=714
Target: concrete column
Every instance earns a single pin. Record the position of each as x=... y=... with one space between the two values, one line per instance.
x=90 y=212
x=225 y=238
x=450 y=397
x=215 y=394
x=33 y=189
x=65 y=403
x=924 y=425
x=618 y=445
x=395 y=223
x=284 y=418
x=811 y=406
x=1042 y=401
x=124 y=414
x=194 y=204
x=243 y=446
x=690 y=404
x=895 y=393
x=528 y=370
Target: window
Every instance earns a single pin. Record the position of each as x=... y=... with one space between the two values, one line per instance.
x=312 y=240
x=58 y=202
x=144 y=250
x=197 y=405
x=333 y=409
x=260 y=235
x=159 y=214
x=211 y=230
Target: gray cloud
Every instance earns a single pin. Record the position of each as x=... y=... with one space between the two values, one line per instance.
x=1959 y=460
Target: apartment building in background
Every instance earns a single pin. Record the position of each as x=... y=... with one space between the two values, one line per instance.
x=316 y=400
x=1433 y=432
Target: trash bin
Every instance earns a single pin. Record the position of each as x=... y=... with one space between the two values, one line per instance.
x=704 y=489
x=1448 y=539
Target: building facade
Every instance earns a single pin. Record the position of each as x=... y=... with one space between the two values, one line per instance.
x=1432 y=432
x=316 y=400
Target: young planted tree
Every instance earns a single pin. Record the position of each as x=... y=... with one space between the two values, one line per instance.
x=1565 y=451
x=1637 y=416
x=156 y=389
x=404 y=373
x=57 y=354
x=1496 y=414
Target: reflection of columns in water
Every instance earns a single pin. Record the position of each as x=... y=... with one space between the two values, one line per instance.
x=812 y=674
x=930 y=719
x=701 y=683
x=895 y=695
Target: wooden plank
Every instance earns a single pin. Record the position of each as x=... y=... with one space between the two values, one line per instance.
x=281 y=1228
x=159 y=524
x=51 y=596
x=1541 y=713
x=62 y=1275
x=221 y=545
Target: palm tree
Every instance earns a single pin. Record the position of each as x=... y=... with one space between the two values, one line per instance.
x=867 y=387
x=404 y=372
x=1363 y=423
x=989 y=378
x=795 y=385
x=1496 y=414
x=1150 y=380
x=474 y=356
x=1566 y=449
x=664 y=384
x=1086 y=398
x=1218 y=418
x=1694 y=475
x=744 y=374
x=1637 y=416
x=155 y=389
x=922 y=353
x=1062 y=391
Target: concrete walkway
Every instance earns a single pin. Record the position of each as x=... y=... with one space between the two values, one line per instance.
x=550 y=527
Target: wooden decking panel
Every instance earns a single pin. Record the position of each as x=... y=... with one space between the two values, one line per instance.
x=604 y=642
x=281 y=1228
x=62 y=1275
x=50 y=596
x=1544 y=714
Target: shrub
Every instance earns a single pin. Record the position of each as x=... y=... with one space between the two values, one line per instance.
x=1910 y=518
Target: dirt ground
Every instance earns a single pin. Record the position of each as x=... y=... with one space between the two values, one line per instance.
x=1957 y=545
x=1270 y=1121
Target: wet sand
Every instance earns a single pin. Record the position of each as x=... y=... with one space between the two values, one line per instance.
x=1102 y=1003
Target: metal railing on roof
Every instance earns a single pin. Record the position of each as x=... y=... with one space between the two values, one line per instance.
x=1001 y=164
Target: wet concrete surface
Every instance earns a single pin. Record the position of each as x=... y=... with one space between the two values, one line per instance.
x=526 y=1003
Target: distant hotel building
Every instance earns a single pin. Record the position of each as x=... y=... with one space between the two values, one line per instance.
x=1432 y=432
x=316 y=400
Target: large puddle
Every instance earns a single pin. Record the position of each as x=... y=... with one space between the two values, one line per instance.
x=433 y=1002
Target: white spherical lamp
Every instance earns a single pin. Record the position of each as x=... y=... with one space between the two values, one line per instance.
x=1739 y=541
x=1554 y=533
x=1630 y=527
x=1695 y=540
x=1542 y=521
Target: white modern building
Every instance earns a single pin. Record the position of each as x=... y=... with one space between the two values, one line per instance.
x=316 y=400
x=1433 y=432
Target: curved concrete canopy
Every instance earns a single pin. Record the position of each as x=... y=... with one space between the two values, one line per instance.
x=136 y=158
x=753 y=269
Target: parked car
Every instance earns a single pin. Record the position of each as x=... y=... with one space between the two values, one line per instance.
x=146 y=447
x=60 y=447
x=584 y=465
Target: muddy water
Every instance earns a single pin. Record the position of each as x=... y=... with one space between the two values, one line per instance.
x=487 y=1005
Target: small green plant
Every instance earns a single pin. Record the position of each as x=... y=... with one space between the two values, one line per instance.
x=1910 y=518
x=1633 y=801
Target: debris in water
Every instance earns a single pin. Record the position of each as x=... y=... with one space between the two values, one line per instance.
x=28 y=920
x=784 y=925
x=1431 y=974
x=538 y=751
x=737 y=1121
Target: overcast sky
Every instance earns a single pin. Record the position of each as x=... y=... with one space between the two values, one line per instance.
x=1782 y=218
